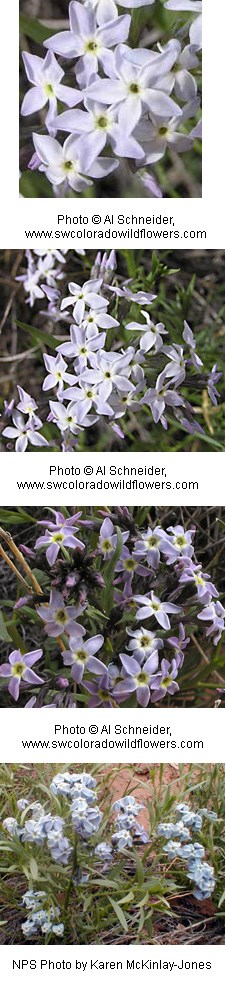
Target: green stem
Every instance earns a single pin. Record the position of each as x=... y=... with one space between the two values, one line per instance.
x=134 y=34
x=131 y=263
x=15 y=636
x=65 y=553
x=73 y=871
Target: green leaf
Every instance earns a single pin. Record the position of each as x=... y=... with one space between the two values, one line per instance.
x=38 y=336
x=34 y=30
x=35 y=185
x=119 y=913
x=33 y=868
x=140 y=874
x=4 y=635
x=8 y=517
x=128 y=898
x=109 y=574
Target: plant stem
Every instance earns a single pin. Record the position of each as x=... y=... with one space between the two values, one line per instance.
x=20 y=558
x=73 y=871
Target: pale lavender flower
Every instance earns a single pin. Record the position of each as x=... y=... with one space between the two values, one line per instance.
x=80 y=296
x=85 y=40
x=26 y=403
x=24 y=432
x=143 y=643
x=188 y=336
x=177 y=366
x=150 y=545
x=130 y=565
x=31 y=285
x=152 y=606
x=213 y=378
x=57 y=373
x=137 y=679
x=19 y=668
x=178 y=542
x=151 y=335
x=82 y=345
x=164 y=682
x=67 y=165
x=122 y=839
x=45 y=74
x=81 y=656
x=213 y=613
x=65 y=417
x=108 y=539
x=98 y=126
x=58 y=535
x=101 y=692
x=110 y=370
x=205 y=588
x=133 y=84
x=179 y=644
x=59 y=618
x=151 y=185
x=160 y=396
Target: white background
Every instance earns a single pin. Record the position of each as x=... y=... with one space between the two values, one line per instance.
x=203 y=468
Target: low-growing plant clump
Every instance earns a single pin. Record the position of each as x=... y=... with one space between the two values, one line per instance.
x=111 y=608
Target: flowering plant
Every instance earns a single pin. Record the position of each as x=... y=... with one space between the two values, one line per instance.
x=120 y=359
x=131 y=99
x=159 y=613
x=78 y=845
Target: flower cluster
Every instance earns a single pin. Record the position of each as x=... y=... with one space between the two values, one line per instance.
x=181 y=846
x=106 y=368
x=44 y=269
x=39 y=918
x=84 y=819
x=138 y=653
x=134 y=102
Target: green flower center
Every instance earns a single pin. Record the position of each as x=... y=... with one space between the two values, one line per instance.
x=58 y=538
x=152 y=541
x=68 y=165
x=134 y=88
x=162 y=131
x=49 y=89
x=142 y=678
x=145 y=641
x=180 y=541
x=102 y=122
x=61 y=616
x=130 y=565
x=91 y=46
x=155 y=606
x=106 y=545
x=18 y=668
x=166 y=682
x=81 y=655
